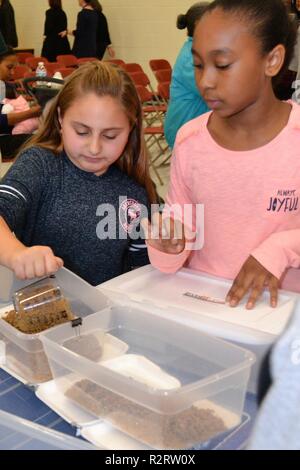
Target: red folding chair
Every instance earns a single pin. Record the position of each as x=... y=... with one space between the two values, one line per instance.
x=84 y=60
x=52 y=67
x=163 y=75
x=163 y=90
x=19 y=71
x=119 y=62
x=159 y=64
x=65 y=71
x=133 y=68
x=22 y=56
x=153 y=109
x=67 y=60
x=154 y=134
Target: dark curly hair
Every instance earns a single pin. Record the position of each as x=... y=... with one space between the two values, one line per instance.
x=189 y=20
x=269 y=20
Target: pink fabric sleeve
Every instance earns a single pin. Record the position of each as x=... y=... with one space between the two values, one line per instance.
x=279 y=251
x=178 y=193
x=165 y=262
x=28 y=126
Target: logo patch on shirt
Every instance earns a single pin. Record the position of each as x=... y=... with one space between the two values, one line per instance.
x=284 y=201
x=129 y=214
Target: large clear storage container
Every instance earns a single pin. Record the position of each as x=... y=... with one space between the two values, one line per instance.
x=173 y=387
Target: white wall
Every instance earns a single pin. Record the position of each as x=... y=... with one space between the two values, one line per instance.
x=140 y=29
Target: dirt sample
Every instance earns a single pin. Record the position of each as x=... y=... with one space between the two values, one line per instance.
x=162 y=431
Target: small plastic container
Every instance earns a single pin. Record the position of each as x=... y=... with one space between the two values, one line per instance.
x=25 y=358
x=175 y=388
x=40 y=305
x=19 y=434
x=36 y=295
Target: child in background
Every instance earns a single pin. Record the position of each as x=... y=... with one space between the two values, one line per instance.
x=242 y=159
x=87 y=154
x=277 y=426
x=10 y=144
x=185 y=103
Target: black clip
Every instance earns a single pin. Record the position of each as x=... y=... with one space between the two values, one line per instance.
x=76 y=322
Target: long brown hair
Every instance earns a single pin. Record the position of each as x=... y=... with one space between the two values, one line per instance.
x=55 y=4
x=103 y=79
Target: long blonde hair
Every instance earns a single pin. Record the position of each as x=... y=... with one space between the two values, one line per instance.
x=103 y=79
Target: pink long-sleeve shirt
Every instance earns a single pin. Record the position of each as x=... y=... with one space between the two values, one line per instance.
x=251 y=202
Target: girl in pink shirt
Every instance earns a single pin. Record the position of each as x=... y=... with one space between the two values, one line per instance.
x=241 y=161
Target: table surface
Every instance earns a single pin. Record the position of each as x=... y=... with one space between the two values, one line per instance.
x=20 y=400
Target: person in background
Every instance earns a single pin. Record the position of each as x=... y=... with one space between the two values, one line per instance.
x=103 y=37
x=8 y=23
x=277 y=426
x=85 y=42
x=56 y=40
x=185 y=102
x=9 y=144
x=284 y=86
x=241 y=160
x=295 y=7
x=74 y=196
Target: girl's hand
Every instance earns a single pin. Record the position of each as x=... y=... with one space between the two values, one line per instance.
x=35 y=261
x=164 y=234
x=111 y=51
x=62 y=34
x=253 y=277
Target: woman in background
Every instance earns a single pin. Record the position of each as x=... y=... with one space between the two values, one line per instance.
x=103 y=37
x=8 y=23
x=56 y=41
x=85 y=43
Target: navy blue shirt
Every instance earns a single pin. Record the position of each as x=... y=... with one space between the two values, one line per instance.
x=46 y=200
x=4 y=127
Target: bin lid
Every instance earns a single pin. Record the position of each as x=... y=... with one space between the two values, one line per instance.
x=197 y=299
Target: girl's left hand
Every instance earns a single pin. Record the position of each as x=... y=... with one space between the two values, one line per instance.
x=111 y=51
x=253 y=277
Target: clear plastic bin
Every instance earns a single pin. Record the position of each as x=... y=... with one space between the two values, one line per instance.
x=181 y=297
x=24 y=355
x=19 y=434
x=189 y=387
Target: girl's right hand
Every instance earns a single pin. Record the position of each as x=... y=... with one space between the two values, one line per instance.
x=164 y=234
x=35 y=261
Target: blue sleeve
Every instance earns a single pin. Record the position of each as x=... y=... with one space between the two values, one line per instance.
x=185 y=102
